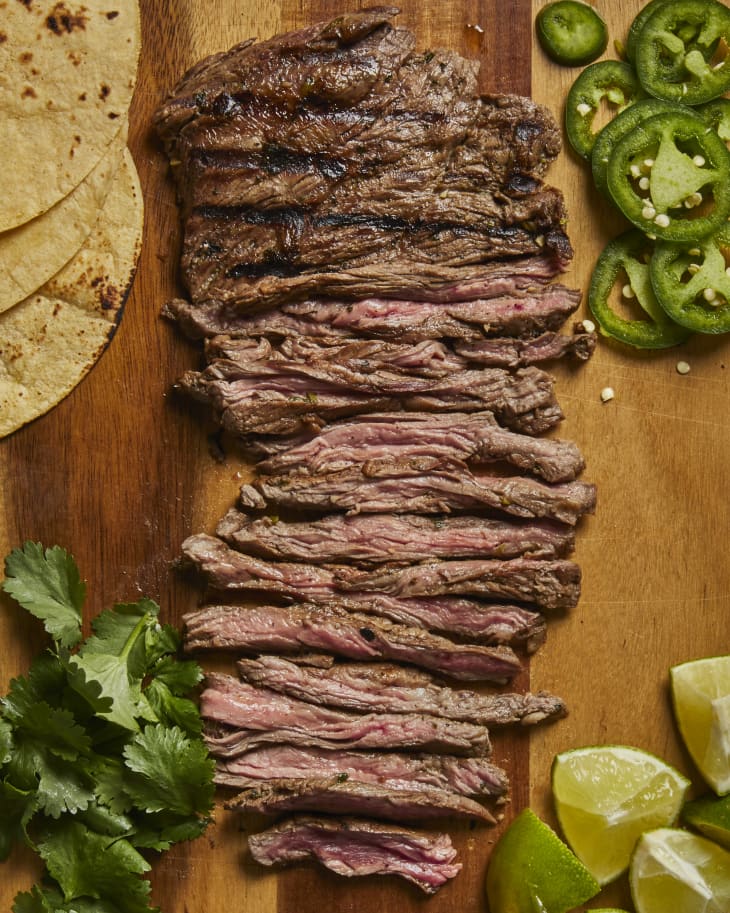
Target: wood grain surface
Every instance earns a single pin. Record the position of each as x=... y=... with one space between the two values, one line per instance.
x=121 y=471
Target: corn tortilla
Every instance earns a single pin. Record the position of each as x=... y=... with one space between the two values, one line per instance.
x=67 y=74
x=50 y=341
x=34 y=252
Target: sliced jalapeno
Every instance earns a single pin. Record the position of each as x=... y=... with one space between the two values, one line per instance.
x=717 y=115
x=638 y=24
x=611 y=80
x=687 y=195
x=622 y=124
x=692 y=284
x=682 y=51
x=626 y=260
x=571 y=33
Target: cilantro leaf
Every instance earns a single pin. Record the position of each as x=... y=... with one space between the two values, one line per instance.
x=173 y=710
x=50 y=900
x=160 y=830
x=174 y=773
x=115 y=658
x=59 y=786
x=44 y=681
x=87 y=864
x=6 y=742
x=48 y=585
x=18 y=806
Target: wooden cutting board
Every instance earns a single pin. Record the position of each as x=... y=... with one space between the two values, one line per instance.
x=121 y=471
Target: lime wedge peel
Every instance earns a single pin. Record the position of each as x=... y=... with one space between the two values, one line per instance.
x=531 y=870
x=701 y=699
x=607 y=796
x=674 y=870
x=710 y=816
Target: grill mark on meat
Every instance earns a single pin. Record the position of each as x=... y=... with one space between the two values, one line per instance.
x=547 y=584
x=329 y=629
x=352 y=847
x=472 y=438
x=366 y=540
x=420 y=487
x=392 y=769
x=272 y=716
x=387 y=688
x=340 y=796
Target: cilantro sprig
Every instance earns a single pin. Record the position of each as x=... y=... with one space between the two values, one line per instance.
x=101 y=754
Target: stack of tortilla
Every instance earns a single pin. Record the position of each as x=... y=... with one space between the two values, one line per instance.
x=71 y=210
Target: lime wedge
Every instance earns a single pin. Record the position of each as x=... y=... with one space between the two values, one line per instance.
x=673 y=870
x=711 y=817
x=532 y=871
x=606 y=797
x=701 y=697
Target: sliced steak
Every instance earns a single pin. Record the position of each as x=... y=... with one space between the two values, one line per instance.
x=301 y=628
x=518 y=352
x=354 y=847
x=260 y=393
x=474 y=438
x=389 y=688
x=484 y=306
x=276 y=717
x=349 y=797
x=392 y=769
x=368 y=539
x=420 y=486
x=547 y=584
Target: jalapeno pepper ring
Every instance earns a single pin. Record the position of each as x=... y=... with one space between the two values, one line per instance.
x=687 y=196
x=608 y=79
x=692 y=284
x=571 y=33
x=626 y=256
x=616 y=129
x=681 y=51
x=638 y=24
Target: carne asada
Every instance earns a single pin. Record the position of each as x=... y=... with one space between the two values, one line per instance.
x=276 y=717
x=367 y=539
x=420 y=486
x=259 y=121
x=519 y=352
x=342 y=796
x=392 y=769
x=388 y=688
x=474 y=438
x=512 y=311
x=354 y=846
x=299 y=628
x=262 y=394
x=547 y=584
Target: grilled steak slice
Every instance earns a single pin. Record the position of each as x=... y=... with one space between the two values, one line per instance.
x=369 y=539
x=353 y=846
x=519 y=352
x=547 y=584
x=392 y=769
x=429 y=358
x=474 y=306
x=349 y=797
x=389 y=688
x=420 y=486
x=275 y=717
x=243 y=393
x=328 y=629
x=472 y=438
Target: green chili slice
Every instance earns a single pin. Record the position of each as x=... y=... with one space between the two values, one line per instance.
x=638 y=24
x=611 y=80
x=670 y=176
x=616 y=129
x=717 y=115
x=682 y=51
x=571 y=33
x=625 y=261
x=691 y=283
